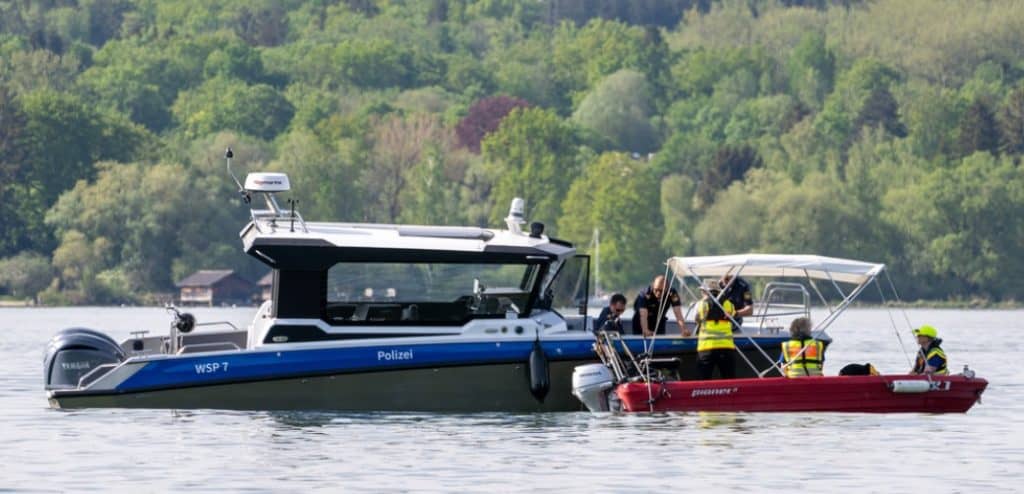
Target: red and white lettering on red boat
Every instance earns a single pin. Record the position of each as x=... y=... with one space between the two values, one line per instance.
x=713 y=392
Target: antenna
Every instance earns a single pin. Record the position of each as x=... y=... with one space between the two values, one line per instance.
x=228 y=154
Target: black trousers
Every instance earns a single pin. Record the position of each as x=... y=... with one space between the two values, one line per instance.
x=723 y=359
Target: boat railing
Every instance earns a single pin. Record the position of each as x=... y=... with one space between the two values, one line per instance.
x=91 y=376
x=208 y=347
x=274 y=216
x=219 y=323
x=774 y=304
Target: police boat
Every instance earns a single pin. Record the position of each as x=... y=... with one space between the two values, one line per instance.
x=367 y=317
x=627 y=383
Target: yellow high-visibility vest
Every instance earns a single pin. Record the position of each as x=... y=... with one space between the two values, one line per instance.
x=715 y=334
x=808 y=363
x=922 y=361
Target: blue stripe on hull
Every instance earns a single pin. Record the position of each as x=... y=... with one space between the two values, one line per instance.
x=202 y=370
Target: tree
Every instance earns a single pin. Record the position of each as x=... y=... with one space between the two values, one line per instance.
x=398 y=145
x=322 y=176
x=616 y=194
x=677 y=199
x=963 y=224
x=931 y=114
x=536 y=150
x=133 y=223
x=1011 y=122
x=860 y=97
x=619 y=110
x=483 y=118
x=431 y=196
x=66 y=137
x=25 y=274
x=729 y=165
x=977 y=130
x=222 y=103
x=811 y=69
x=584 y=56
x=880 y=110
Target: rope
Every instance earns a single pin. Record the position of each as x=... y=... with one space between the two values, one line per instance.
x=888 y=310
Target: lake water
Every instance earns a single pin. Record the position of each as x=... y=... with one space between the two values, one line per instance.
x=163 y=450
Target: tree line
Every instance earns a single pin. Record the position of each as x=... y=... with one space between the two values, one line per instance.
x=887 y=130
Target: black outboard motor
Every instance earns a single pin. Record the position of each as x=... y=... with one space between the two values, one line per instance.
x=73 y=353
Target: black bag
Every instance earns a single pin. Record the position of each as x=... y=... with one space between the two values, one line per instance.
x=858 y=370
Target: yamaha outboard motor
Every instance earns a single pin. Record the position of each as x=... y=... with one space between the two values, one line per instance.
x=593 y=385
x=73 y=353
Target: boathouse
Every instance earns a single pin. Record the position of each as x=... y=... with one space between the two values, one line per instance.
x=215 y=287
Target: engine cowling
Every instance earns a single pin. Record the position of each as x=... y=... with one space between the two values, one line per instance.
x=73 y=353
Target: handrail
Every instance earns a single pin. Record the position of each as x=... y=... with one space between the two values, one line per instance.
x=82 y=380
x=214 y=323
x=226 y=344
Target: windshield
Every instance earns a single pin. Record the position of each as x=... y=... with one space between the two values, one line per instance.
x=426 y=293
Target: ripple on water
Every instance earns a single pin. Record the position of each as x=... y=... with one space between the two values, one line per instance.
x=203 y=450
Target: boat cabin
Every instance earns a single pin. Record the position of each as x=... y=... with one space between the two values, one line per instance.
x=344 y=275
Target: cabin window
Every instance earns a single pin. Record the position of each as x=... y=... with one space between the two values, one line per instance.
x=427 y=293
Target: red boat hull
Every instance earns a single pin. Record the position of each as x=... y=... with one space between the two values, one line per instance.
x=873 y=394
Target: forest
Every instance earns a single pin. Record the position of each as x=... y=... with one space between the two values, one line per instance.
x=883 y=130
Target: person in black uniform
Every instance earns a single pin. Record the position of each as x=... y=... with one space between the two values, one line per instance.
x=609 y=320
x=649 y=309
x=737 y=291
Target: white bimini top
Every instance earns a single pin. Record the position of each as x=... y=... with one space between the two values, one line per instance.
x=776 y=265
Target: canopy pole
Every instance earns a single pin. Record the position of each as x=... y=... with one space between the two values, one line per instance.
x=817 y=291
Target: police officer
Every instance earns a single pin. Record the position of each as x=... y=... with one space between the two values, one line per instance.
x=608 y=319
x=930 y=357
x=737 y=291
x=802 y=354
x=649 y=309
x=715 y=345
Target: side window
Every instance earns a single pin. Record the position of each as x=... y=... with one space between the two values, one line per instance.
x=570 y=289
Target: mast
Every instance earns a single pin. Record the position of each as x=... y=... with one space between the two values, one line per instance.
x=595 y=241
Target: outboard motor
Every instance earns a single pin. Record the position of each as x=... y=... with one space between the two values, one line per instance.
x=591 y=384
x=73 y=353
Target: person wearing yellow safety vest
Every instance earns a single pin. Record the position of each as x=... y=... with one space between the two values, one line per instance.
x=930 y=357
x=715 y=346
x=802 y=355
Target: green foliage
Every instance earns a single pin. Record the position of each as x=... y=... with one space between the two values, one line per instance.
x=964 y=223
x=810 y=126
x=25 y=274
x=860 y=98
x=222 y=103
x=535 y=149
x=977 y=130
x=618 y=195
x=584 y=56
x=619 y=110
x=811 y=70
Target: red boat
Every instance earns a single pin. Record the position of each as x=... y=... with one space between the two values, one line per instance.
x=629 y=382
x=873 y=394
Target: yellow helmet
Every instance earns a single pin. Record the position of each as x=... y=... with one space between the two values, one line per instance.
x=926 y=330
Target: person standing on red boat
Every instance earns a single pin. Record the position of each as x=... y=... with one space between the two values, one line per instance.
x=802 y=354
x=931 y=359
x=737 y=291
x=715 y=345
